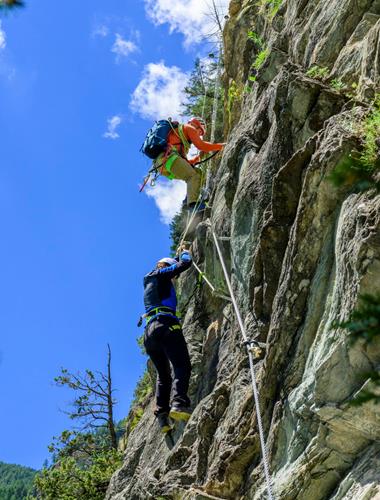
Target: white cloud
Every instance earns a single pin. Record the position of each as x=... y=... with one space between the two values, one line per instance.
x=101 y=30
x=122 y=47
x=113 y=123
x=160 y=92
x=2 y=38
x=193 y=18
x=168 y=196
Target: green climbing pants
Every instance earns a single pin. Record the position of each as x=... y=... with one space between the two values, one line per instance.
x=181 y=169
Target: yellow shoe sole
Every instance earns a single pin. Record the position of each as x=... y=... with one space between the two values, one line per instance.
x=166 y=429
x=179 y=415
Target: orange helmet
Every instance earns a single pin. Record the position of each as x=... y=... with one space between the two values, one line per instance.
x=199 y=123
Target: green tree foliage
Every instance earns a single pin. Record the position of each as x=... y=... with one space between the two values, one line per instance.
x=318 y=72
x=177 y=226
x=370 y=157
x=255 y=38
x=361 y=169
x=269 y=8
x=71 y=479
x=200 y=95
x=260 y=58
x=141 y=398
x=199 y=101
x=364 y=321
x=82 y=462
x=15 y=481
x=364 y=324
x=350 y=172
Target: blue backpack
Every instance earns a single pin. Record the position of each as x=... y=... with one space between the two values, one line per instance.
x=156 y=139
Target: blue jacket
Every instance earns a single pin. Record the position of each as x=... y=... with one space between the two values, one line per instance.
x=158 y=287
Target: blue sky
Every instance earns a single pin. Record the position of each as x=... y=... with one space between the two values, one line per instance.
x=80 y=83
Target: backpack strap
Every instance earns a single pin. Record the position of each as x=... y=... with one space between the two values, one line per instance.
x=166 y=160
x=180 y=133
x=182 y=136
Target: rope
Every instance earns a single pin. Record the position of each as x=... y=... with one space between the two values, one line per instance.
x=216 y=95
x=248 y=343
x=251 y=364
x=198 y=202
x=206 y=159
x=193 y=213
x=213 y=289
x=205 y=91
x=215 y=111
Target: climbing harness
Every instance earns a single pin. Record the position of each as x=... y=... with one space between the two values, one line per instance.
x=154 y=313
x=167 y=159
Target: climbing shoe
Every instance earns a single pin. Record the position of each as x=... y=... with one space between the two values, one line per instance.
x=163 y=422
x=180 y=413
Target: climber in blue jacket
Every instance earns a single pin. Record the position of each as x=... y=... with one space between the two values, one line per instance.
x=164 y=341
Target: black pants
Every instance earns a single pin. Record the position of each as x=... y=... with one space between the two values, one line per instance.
x=166 y=345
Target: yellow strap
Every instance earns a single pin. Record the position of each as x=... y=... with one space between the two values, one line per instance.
x=182 y=136
x=175 y=327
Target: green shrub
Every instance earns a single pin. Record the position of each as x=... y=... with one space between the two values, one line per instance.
x=269 y=8
x=364 y=321
x=235 y=94
x=143 y=389
x=337 y=84
x=371 y=137
x=70 y=480
x=260 y=59
x=350 y=172
x=317 y=72
x=359 y=169
x=256 y=39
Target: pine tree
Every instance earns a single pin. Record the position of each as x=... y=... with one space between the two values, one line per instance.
x=200 y=94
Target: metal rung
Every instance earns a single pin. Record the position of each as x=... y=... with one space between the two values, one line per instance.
x=224 y=238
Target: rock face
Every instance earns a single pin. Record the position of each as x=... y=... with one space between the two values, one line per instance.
x=300 y=252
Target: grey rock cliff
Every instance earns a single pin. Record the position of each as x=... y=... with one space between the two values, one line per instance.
x=301 y=251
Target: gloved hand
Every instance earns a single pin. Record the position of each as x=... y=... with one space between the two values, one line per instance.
x=182 y=248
